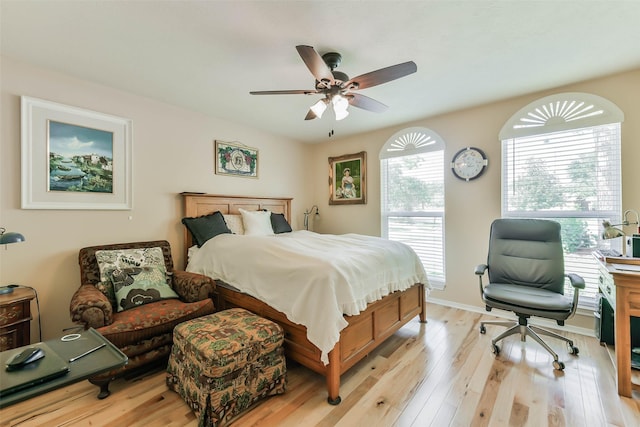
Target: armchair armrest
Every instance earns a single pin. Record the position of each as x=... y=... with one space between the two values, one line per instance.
x=91 y=307
x=192 y=287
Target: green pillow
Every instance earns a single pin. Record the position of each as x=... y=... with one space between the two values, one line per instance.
x=135 y=286
x=117 y=259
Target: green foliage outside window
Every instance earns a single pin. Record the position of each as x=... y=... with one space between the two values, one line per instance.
x=539 y=189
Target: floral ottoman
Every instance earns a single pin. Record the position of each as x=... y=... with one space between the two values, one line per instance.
x=222 y=363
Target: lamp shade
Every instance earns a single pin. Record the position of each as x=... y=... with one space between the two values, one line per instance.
x=610 y=232
x=10 y=237
x=319 y=107
x=340 y=105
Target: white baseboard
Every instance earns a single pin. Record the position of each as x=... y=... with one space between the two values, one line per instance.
x=499 y=313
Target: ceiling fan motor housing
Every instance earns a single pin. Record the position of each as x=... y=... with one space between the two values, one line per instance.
x=332 y=59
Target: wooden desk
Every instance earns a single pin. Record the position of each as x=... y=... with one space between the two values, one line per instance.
x=627 y=304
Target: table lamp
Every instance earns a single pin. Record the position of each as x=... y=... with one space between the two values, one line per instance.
x=10 y=237
x=5 y=239
x=611 y=232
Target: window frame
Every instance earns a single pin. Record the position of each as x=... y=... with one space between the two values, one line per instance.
x=410 y=142
x=547 y=118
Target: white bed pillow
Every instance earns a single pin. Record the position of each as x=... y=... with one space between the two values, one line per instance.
x=191 y=252
x=256 y=223
x=234 y=222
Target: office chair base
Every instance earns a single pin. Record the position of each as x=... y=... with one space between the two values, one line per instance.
x=524 y=329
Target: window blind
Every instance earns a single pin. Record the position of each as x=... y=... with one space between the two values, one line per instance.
x=574 y=177
x=413 y=207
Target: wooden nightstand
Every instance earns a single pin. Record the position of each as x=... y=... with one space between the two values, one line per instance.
x=15 y=318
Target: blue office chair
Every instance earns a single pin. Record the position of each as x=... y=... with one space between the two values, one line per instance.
x=525 y=268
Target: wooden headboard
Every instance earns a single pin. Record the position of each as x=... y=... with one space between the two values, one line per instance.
x=203 y=204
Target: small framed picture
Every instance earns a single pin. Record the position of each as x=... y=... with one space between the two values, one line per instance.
x=235 y=159
x=347 y=179
x=74 y=158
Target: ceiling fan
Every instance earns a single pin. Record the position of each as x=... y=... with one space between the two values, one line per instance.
x=337 y=87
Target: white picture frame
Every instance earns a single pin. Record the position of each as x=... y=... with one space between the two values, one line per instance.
x=74 y=158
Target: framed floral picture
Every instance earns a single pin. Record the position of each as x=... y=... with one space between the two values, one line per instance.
x=74 y=158
x=347 y=179
x=232 y=158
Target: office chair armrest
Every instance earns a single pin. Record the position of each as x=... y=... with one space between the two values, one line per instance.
x=576 y=281
x=480 y=269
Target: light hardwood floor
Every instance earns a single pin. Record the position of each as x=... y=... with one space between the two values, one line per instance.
x=437 y=374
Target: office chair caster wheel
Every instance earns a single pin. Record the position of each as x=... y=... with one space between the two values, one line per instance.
x=483 y=330
x=558 y=365
x=495 y=349
x=574 y=350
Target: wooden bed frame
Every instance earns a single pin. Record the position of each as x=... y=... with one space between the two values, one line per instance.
x=365 y=331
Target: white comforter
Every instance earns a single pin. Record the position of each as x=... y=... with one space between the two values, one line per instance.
x=312 y=278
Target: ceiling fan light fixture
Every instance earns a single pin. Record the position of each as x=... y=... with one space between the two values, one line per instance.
x=338 y=101
x=319 y=107
x=340 y=105
x=341 y=114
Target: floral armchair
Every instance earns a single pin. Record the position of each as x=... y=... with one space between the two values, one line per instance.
x=144 y=333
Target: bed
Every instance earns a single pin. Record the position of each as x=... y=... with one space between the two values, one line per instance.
x=363 y=332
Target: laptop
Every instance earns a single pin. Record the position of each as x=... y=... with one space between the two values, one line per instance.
x=47 y=368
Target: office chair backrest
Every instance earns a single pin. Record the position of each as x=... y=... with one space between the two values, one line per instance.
x=526 y=252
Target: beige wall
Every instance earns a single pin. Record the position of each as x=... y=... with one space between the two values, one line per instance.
x=172 y=152
x=471 y=206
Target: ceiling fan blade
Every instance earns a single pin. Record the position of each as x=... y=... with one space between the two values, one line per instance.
x=382 y=75
x=366 y=103
x=284 y=92
x=315 y=64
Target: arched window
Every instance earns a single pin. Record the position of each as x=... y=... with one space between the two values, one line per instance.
x=561 y=161
x=412 y=187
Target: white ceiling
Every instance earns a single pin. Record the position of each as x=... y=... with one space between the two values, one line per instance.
x=207 y=55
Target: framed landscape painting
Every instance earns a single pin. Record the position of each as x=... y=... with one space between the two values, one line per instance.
x=74 y=158
x=79 y=167
x=347 y=179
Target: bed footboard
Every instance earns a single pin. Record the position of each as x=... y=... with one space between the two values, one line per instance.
x=365 y=332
